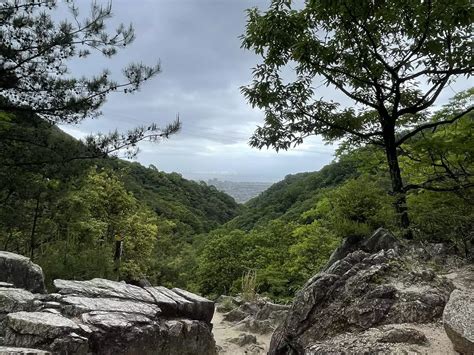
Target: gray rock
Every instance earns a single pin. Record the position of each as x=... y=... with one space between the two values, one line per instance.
x=75 y=306
x=235 y=315
x=358 y=292
x=45 y=325
x=8 y=350
x=105 y=317
x=6 y=284
x=21 y=272
x=272 y=311
x=243 y=339
x=169 y=307
x=176 y=337
x=380 y=240
x=47 y=331
x=253 y=325
x=103 y=288
x=188 y=304
x=203 y=308
x=115 y=320
x=15 y=299
x=71 y=344
x=227 y=303
x=254 y=349
x=458 y=321
x=403 y=335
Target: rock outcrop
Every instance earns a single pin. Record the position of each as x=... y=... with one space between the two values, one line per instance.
x=104 y=317
x=21 y=272
x=260 y=316
x=362 y=290
x=458 y=321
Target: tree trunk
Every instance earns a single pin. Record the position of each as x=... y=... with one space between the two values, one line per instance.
x=33 y=229
x=397 y=182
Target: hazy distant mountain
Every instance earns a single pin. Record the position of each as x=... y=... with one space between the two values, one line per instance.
x=240 y=191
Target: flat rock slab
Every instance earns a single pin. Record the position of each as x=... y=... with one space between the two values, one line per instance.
x=458 y=321
x=103 y=288
x=8 y=350
x=115 y=320
x=42 y=324
x=169 y=307
x=77 y=305
x=204 y=308
x=15 y=299
x=6 y=284
x=22 y=272
x=188 y=304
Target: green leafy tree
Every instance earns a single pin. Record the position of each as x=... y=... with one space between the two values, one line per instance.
x=355 y=208
x=35 y=50
x=87 y=222
x=442 y=159
x=391 y=58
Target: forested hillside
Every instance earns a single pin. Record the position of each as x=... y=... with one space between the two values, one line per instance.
x=67 y=212
x=293 y=195
x=287 y=234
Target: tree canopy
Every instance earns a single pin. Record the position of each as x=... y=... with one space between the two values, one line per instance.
x=392 y=59
x=35 y=78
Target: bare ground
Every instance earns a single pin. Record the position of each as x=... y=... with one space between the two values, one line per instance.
x=224 y=330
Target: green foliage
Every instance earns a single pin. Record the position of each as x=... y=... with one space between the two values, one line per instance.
x=285 y=251
x=282 y=255
x=443 y=159
x=444 y=217
x=194 y=208
x=66 y=217
x=356 y=208
x=391 y=58
x=293 y=195
x=36 y=50
x=366 y=51
x=311 y=250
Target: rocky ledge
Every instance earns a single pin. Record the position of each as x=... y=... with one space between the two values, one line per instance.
x=377 y=296
x=99 y=317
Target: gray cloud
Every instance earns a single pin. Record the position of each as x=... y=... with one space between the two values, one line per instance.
x=203 y=68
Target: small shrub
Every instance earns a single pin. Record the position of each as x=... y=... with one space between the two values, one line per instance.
x=249 y=286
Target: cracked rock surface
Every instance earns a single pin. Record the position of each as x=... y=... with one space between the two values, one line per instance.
x=102 y=317
x=366 y=290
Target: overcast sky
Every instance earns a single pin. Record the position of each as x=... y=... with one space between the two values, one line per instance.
x=203 y=66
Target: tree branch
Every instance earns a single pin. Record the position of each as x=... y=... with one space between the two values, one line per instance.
x=432 y=125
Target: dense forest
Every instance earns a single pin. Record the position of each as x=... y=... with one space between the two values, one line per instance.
x=81 y=212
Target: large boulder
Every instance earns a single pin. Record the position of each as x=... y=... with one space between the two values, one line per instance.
x=21 y=272
x=127 y=333
x=382 y=239
x=359 y=292
x=105 y=317
x=458 y=321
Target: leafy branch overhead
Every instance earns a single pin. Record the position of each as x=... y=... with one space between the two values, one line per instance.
x=390 y=59
x=35 y=51
x=393 y=58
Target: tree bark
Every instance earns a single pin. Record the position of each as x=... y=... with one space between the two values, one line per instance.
x=33 y=228
x=396 y=179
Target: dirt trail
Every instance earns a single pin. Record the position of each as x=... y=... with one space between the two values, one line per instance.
x=224 y=330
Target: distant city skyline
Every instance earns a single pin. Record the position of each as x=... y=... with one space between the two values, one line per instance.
x=203 y=69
